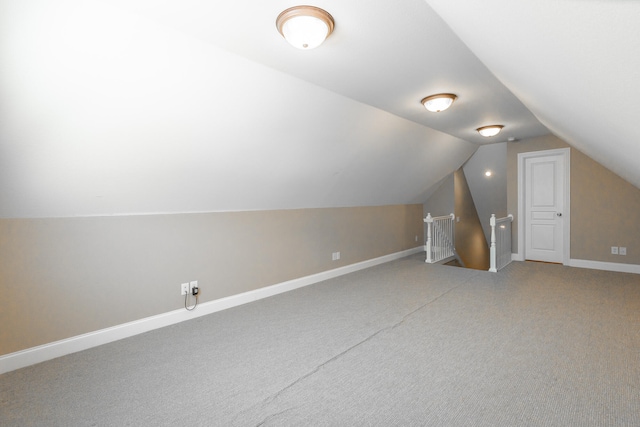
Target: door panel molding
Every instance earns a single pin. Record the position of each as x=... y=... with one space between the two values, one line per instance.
x=522 y=157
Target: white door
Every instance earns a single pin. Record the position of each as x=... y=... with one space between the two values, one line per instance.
x=544 y=208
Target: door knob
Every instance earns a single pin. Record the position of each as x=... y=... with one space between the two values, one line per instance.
x=559 y=213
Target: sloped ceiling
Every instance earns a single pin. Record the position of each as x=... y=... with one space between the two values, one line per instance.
x=141 y=106
x=489 y=192
x=573 y=63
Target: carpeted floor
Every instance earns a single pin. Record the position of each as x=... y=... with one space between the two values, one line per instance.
x=400 y=344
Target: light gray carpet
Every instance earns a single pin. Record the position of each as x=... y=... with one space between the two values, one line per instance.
x=400 y=344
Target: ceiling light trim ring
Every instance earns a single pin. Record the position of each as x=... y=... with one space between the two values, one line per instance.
x=490 y=130
x=447 y=96
x=305 y=11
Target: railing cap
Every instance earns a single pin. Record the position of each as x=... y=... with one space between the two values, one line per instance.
x=503 y=219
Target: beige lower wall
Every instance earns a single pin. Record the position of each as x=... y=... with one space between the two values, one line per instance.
x=64 y=277
x=605 y=209
x=605 y=212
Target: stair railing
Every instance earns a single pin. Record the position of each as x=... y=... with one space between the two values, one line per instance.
x=440 y=238
x=500 y=250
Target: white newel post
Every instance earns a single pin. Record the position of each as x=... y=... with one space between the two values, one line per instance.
x=429 y=221
x=492 y=251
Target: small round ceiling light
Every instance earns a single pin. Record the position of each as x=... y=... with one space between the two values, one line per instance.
x=439 y=102
x=491 y=130
x=305 y=27
x=488 y=173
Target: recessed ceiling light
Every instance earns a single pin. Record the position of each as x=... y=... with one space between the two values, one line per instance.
x=488 y=173
x=491 y=130
x=439 y=102
x=305 y=27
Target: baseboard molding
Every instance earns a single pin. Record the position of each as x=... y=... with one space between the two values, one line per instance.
x=608 y=266
x=595 y=265
x=31 y=356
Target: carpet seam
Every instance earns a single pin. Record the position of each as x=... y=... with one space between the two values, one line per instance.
x=275 y=395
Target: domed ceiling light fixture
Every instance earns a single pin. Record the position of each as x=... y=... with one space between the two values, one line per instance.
x=491 y=130
x=305 y=27
x=439 y=102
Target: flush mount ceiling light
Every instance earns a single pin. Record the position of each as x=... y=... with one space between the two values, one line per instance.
x=439 y=102
x=305 y=27
x=491 y=130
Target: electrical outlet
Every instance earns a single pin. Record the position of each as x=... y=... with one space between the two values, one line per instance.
x=335 y=256
x=623 y=250
x=184 y=289
x=416 y=237
x=614 y=250
x=193 y=284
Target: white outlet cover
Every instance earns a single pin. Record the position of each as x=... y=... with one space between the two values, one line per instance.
x=623 y=250
x=614 y=250
x=184 y=289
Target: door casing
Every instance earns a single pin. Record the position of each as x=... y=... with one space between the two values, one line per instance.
x=522 y=157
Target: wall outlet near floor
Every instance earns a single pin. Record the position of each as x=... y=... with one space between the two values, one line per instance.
x=614 y=250
x=335 y=256
x=184 y=289
x=622 y=250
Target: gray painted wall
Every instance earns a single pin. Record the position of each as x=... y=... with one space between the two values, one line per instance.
x=442 y=201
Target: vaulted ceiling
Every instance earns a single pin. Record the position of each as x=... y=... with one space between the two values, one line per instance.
x=145 y=106
x=573 y=63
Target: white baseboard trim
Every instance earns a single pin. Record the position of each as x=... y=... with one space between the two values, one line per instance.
x=41 y=353
x=608 y=266
x=595 y=265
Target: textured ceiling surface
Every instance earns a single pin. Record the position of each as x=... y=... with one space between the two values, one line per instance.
x=140 y=106
x=385 y=54
x=573 y=63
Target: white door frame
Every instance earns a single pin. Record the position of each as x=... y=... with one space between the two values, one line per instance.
x=566 y=215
